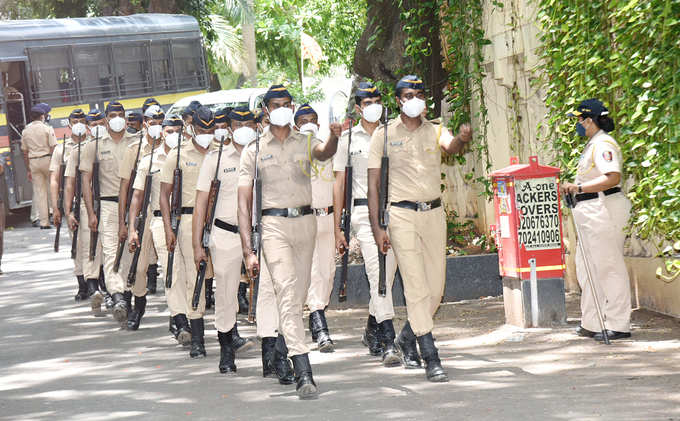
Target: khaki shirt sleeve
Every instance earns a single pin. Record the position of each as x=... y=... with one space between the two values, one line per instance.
x=606 y=157
x=444 y=134
x=140 y=178
x=340 y=157
x=207 y=173
x=71 y=163
x=376 y=149
x=246 y=171
x=87 y=158
x=168 y=169
x=128 y=162
x=55 y=160
x=24 y=145
x=52 y=137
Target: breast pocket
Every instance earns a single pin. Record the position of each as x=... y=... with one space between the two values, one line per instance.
x=400 y=151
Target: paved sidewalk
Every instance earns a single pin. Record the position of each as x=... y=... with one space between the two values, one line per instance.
x=57 y=362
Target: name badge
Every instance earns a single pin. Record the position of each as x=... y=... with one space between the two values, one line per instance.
x=266 y=157
x=191 y=164
x=357 y=152
x=104 y=152
x=397 y=143
x=228 y=170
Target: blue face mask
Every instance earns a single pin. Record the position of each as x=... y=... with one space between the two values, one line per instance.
x=580 y=130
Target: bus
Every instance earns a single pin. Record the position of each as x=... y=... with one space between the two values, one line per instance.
x=85 y=63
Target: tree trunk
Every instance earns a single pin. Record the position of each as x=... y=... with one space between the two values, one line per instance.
x=249 y=50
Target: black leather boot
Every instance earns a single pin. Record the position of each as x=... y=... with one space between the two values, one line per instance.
x=151 y=278
x=135 y=316
x=281 y=364
x=197 y=341
x=433 y=366
x=390 y=355
x=305 y=386
x=319 y=328
x=268 y=351
x=183 y=330
x=209 y=295
x=127 y=295
x=406 y=342
x=370 y=338
x=242 y=298
x=238 y=343
x=82 y=289
x=172 y=327
x=226 y=352
x=120 y=307
x=96 y=296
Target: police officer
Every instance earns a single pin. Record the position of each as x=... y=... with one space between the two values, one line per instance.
x=184 y=270
x=601 y=213
x=37 y=143
x=288 y=224
x=134 y=122
x=323 y=260
x=379 y=334
x=417 y=222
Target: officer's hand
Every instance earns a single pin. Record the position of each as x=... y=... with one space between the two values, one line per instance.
x=56 y=216
x=92 y=222
x=170 y=240
x=336 y=130
x=122 y=233
x=569 y=188
x=383 y=241
x=465 y=133
x=199 y=256
x=252 y=266
x=72 y=223
x=133 y=241
x=340 y=243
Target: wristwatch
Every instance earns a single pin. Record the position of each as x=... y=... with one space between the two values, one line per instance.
x=580 y=188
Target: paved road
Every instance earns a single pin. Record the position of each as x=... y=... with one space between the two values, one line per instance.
x=57 y=362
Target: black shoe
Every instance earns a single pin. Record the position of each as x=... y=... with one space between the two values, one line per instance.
x=370 y=337
x=238 y=343
x=209 y=295
x=36 y=223
x=406 y=342
x=433 y=366
x=45 y=227
x=581 y=331
x=102 y=280
x=82 y=293
x=183 y=330
x=108 y=301
x=197 y=341
x=319 y=328
x=172 y=327
x=390 y=355
x=226 y=352
x=611 y=335
x=282 y=366
x=136 y=315
x=151 y=278
x=127 y=295
x=242 y=298
x=268 y=351
x=305 y=386
x=120 y=308
x=96 y=296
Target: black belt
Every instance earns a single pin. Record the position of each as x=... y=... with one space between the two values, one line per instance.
x=418 y=206
x=360 y=202
x=187 y=210
x=41 y=156
x=288 y=212
x=588 y=196
x=323 y=211
x=157 y=212
x=110 y=198
x=226 y=226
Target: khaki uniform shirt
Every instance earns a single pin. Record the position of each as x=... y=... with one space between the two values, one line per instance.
x=415 y=159
x=110 y=157
x=359 y=148
x=227 y=197
x=128 y=162
x=602 y=155
x=61 y=154
x=38 y=139
x=159 y=158
x=284 y=167
x=72 y=160
x=190 y=163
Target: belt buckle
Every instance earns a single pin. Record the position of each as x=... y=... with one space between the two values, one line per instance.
x=424 y=206
x=294 y=212
x=321 y=211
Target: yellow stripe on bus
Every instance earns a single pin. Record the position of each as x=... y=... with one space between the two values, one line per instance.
x=64 y=112
x=3 y=119
x=538 y=268
x=167 y=99
x=5 y=149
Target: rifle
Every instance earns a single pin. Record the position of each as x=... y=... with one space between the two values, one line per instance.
x=140 y=223
x=383 y=214
x=256 y=234
x=346 y=217
x=96 y=198
x=175 y=211
x=75 y=206
x=207 y=228
x=60 y=198
x=128 y=195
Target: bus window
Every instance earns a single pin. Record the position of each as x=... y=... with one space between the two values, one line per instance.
x=160 y=64
x=51 y=76
x=93 y=67
x=188 y=63
x=132 y=68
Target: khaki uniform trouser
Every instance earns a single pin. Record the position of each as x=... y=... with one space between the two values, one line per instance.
x=225 y=248
x=419 y=242
x=184 y=275
x=288 y=246
x=108 y=235
x=323 y=264
x=382 y=308
x=158 y=233
x=40 y=171
x=83 y=265
x=146 y=255
x=266 y=311
x=601 y=222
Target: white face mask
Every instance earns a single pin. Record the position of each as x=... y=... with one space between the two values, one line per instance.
x=78 y=129
x=98 y=131
x=221 y=134
x=281 y=116
x=413 y=107
x=309 y=128
x=117 y=124
x=244 y=135
x=154 y=131
x=372 y=113
x=172 y=140
x=204 y=140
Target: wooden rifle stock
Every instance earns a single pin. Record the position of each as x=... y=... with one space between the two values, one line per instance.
x=383 y=214
x=60 y=195
x=140 y=223
x=96 y=199
x=75 y=206
x=256 y=235
x=345 y=222
x=175 y=210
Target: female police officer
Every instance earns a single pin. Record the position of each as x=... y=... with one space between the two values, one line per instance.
x=601 y=213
